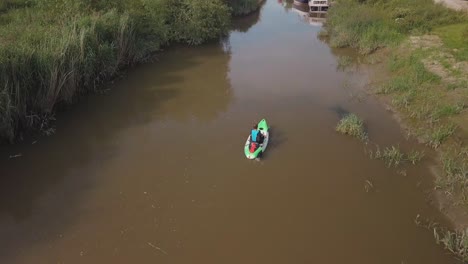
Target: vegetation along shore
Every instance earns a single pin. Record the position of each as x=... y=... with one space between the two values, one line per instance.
x=423 y=47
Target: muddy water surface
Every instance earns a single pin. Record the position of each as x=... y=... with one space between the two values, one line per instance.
x=154 y=170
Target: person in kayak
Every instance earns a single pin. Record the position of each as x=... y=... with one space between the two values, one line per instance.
x=256 y=135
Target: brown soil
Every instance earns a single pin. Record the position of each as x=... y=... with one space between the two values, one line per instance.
x=442 y=63
x=451 y=71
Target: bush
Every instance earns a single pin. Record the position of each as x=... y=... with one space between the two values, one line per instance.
x=352 y=125
x=199 y=20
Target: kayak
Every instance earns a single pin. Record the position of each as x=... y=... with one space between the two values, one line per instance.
x=252 y=152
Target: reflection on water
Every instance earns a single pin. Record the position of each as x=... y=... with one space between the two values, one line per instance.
x=287 y=4
x=302 y=10
x=244 y=23
x=317 y=21
x=313 y=18
x=195 y=97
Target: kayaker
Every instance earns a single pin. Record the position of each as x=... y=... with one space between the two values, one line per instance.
x=256 y=135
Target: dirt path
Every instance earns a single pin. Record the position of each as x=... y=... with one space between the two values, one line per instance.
x=455 y=4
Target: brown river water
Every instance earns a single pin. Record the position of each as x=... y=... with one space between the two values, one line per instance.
x=153 y=171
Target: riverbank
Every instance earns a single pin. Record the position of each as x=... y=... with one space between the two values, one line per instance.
x=423 y=48
x=52 y=52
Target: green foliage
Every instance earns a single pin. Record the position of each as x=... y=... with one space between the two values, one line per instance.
x=448 y=110
x=457 y=176
x=455 y=242
x=352 y=125
x=344 y=62
x=200 y=20
x=391 y=155
x=414 y=156
x=439 y=135
x=394 y=157
x=410 y=75
x=366 y=32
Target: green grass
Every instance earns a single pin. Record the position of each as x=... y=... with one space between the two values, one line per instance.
x=410 y=74
x=384 y=23
x=366 y=32
x=440 y=134
x=448 y=110
x=456 y=180
x=344 y=62
x=352 y=125
x=404 y=100
x=455 y=242
x=455 y=37
x=414 y=156
x=412 y=87
x=398 y=84
x=419 y=94
x=392 y=156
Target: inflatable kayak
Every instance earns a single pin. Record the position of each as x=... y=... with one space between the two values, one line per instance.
x=253 y=150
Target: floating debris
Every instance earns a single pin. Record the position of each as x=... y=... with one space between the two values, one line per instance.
x=157 y=248
x=368 y=185
x=16 y=156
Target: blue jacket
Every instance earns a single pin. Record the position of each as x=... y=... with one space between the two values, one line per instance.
x=254 y=135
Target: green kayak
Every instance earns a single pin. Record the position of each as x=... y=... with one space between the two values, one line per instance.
x=254 y=151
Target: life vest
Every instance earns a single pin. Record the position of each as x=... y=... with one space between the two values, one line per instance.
x=254 y=135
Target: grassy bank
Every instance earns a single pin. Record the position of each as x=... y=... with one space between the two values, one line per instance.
x=384 y=23
x=424 y=48
x=354 y=126
x=50 y=51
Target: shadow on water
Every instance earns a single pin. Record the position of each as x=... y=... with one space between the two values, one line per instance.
x=85 y=125
x=38 y=189
x=340 y=111
x=277 y=138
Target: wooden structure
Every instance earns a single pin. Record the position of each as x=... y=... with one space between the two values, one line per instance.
x=318 y=6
